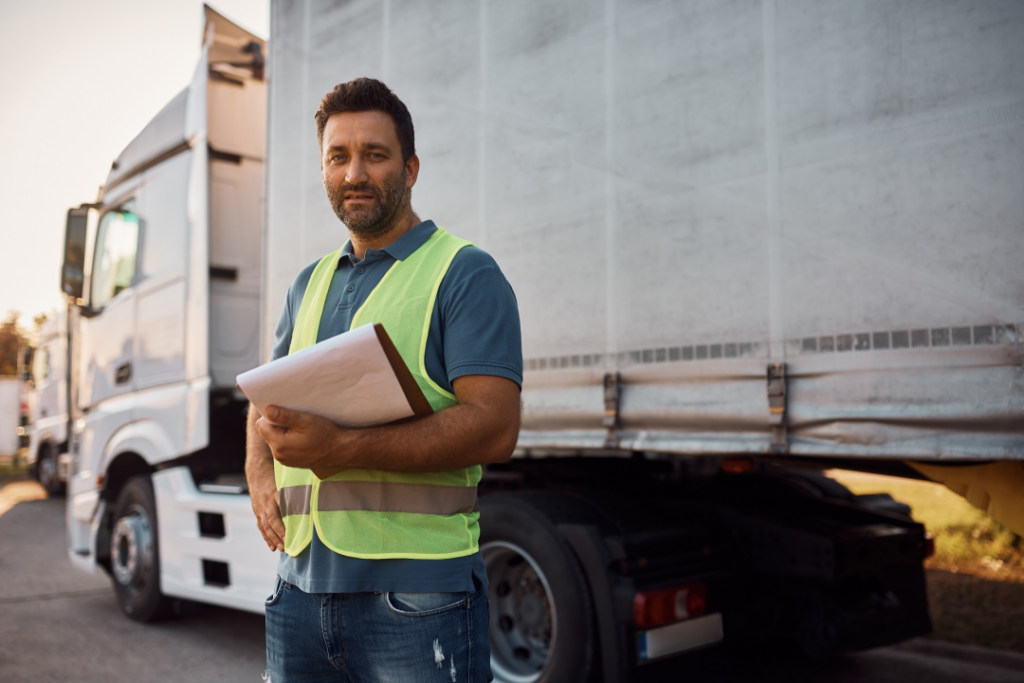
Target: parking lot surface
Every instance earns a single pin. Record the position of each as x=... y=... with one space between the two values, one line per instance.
x=60 y=624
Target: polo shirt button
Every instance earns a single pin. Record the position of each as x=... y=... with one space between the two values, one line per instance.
x=351 y=288
x=361 y=270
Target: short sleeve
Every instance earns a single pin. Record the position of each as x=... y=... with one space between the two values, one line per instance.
x=479 y=319
x=283 y=331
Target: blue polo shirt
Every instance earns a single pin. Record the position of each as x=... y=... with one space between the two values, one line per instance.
x=474 y=331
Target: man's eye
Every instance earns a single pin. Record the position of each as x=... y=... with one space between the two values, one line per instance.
x=337 y=158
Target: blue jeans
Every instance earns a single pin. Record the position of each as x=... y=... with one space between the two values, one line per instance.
x=377 y=637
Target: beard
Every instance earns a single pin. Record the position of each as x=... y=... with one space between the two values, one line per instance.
x=375 y=220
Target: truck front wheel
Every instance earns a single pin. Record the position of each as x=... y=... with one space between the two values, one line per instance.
x=541 y=622
x=46 y=471
x=134 y=552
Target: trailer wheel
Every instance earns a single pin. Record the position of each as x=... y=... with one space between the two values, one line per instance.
x=541 y=622
x=46 y=471
x=134 y=552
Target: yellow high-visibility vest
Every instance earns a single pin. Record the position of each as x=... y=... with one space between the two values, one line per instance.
x=377 y=514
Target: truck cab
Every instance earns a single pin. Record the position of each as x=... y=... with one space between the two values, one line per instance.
x=164 y=271
x=47 y=405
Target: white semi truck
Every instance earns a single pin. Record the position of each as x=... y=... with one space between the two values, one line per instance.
x=48 y=455
x=749 y=241
x=169 y=308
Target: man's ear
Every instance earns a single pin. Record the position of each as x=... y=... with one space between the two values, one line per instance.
x=412 y=170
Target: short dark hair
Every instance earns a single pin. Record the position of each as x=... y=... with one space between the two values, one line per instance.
x=368 y=94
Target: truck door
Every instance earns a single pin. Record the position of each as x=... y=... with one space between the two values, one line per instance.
x=48 y=369
x=107 y=353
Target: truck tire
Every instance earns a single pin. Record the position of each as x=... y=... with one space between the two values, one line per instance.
x=541 y=618
x=135 y=553
x=46 y=471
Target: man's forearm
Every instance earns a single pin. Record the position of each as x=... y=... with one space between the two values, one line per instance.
x=450 y=439
x=258 y=457
x=482 y=428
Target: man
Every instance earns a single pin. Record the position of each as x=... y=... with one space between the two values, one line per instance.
x=381 y=577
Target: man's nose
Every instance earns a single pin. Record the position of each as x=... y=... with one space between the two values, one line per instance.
x=355 y=174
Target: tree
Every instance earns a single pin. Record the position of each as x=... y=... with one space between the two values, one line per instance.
x=12 y=338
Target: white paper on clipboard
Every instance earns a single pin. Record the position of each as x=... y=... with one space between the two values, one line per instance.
x=347 y=379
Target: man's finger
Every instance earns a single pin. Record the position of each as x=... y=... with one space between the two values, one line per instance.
x=267 y=530
x=266 y=539
x=274 y=530
x=269 y=432
x=264 y=428
x=276 y=524
x=278 y=527
x=263 y=532
x=282 y=417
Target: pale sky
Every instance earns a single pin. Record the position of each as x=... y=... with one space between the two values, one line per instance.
x=79 y=79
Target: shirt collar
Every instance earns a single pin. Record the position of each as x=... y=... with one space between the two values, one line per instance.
x=400 y=249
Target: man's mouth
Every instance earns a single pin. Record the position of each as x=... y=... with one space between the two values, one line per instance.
x=359 y=198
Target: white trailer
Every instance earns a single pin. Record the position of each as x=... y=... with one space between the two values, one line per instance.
x=683 y=194
x=748 y=240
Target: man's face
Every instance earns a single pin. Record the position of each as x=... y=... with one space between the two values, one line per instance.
x=366 y=181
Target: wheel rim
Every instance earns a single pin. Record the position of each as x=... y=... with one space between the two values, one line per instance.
x=131 y=547
x=47 y=471
x=522 y=616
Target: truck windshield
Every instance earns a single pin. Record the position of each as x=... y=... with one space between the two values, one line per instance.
x=116 y=245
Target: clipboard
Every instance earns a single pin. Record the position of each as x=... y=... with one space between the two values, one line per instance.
x=417 y=401
x=356 y=379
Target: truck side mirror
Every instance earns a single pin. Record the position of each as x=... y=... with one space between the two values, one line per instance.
x=72 y=274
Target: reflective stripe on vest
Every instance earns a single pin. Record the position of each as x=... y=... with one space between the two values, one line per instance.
x=294 y=500
x=376 y=496
x=377 y=514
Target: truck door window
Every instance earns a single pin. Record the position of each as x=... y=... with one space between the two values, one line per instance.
x=41 y=366
x=117 y=243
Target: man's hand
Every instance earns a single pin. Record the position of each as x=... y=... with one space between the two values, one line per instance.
x=268 y=511
x=259 y=472
x=298 y=439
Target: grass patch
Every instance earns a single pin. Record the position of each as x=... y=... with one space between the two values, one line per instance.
x=967 y=540
x=9 y=471
x=976 y=577
x=976 y=611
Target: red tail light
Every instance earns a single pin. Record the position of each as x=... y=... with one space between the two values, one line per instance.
x=664 y=606
x=737 y=465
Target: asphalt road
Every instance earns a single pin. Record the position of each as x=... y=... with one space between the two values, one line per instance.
x=60 y=624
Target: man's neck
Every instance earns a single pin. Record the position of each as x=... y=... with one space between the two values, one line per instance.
x=360 y=245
